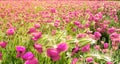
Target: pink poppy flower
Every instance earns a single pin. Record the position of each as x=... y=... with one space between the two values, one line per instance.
x=53 y=54
x=56 y=24
x=3 y=44
x=114 y=35
x=53 y=10
x=74 y=61
x=87 y=25
x=28 y=56
x=99 y=29
x=57 y=21
x=37 y=25
x=32 y=61
x=77 y=23
x=98 y=16
x=38 y=47
x=109 y=63
x=10 y=31
x=97 y=35
x=85 y=48
x=106 y=45
x=80 y=26
x=36 y=35
x=89 y=59
x=20 y=51
x=81 y=35
x=62 y=47
x=75 y=50
x=111 y=30
x=31 y=30
x=91 y=17
x=67 y=20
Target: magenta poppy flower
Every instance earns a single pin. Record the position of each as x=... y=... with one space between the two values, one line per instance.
x=53 y=10
x=114 y=35
x=3 y=44
x=34 y=39
x=98 y=17
x=10 y=31
x=109 y=63
x=20 y=51
x=99 y=29
x=80 y=26
x=75 y=50
x=53 y=54
x=81 y=35
x=38 y=47
x=28 y=56
x=91 y=17
x=37 y=25
x=57 y=21
x=77 y=23
x=32 y=61
x=97 y=35
x=67 y=20
x=74 y=61
x=62 y=47
x=36 y=35
x=106 y=45
x=87 y=25
x=48 y=21
x=31 y=30
x=85 y=48
x=56 y=24
x=111 y=30
x=89 y=59
x=0 y=55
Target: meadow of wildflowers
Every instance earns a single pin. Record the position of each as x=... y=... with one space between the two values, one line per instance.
x=59 y=32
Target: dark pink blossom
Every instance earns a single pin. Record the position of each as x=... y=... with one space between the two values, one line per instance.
x=106 y=45
x=53 y=10
x=31 y=30
x=10 y=31
x=38 y=47
x=97 y=35
x=62 y=47
x=114 y=35
x=28 y=56
x=75 y=50
x=85 y=48
x=3 y=44
x=37 y=25
x=56 y=24
x=89 y=59
x=53 y=54
x=81 y=35
x=20 y=51
x=36 y=35
x=32 y=61
x=111 y=30
x=74 y=61
x=77 y=23
x=109 y=63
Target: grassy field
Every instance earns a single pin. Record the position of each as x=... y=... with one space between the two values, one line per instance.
x=59 y=32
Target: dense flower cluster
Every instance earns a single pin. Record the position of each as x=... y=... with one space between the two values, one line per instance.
x=59 y=32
